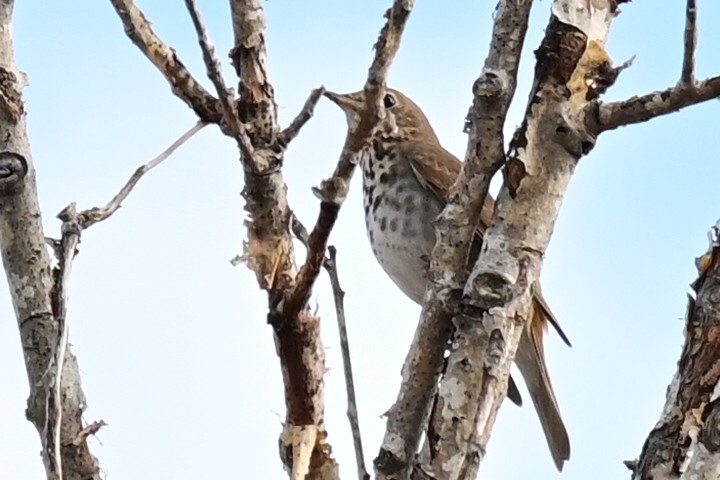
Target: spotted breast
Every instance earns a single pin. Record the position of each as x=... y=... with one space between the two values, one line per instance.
x=399 y=215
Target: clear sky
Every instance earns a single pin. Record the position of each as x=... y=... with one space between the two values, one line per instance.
x=172 y=342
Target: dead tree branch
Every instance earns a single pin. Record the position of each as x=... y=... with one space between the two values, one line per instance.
x=214 y=72
x=330 y=264
x=493 y=91
x=352 y=410
x=89 y=217
x=685 y=443
x=183 y=84
x=56 y=400
x=269 y=252
x=608 y=116
x=601 y=117
x=542 y=157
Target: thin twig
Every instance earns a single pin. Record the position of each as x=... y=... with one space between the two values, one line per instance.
x=292 y=130
x=352 y=411
x=214 y=73
x=333 y=191
x=73 y=224
x=330 y=265
x=98 y=214
x=691 y=34
x=53 y=407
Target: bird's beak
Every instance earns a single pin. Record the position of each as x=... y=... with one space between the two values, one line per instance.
x=347 y=101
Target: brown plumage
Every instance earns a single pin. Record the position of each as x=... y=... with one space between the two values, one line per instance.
x=406 y=178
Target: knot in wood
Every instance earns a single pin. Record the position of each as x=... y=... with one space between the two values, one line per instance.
x=13 y=169
x=490 y=289
x=389 y=463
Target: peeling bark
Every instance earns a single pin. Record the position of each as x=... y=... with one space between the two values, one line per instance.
x=685 y=443
x=54 y=376
x=493 y=92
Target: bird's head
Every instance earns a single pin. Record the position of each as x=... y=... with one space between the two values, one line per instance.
x=403 y=118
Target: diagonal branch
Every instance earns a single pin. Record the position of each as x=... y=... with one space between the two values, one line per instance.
x=183 y=84
x=214 y=72
x=330 y=264
x=97 y=214
x=493 y=90
x=688 y=70
x=496 y=309
x=602 y=117
x=684 y=443
x=291 y=131
x=333 y=191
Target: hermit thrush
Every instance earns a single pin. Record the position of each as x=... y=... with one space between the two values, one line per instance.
x=406 y=178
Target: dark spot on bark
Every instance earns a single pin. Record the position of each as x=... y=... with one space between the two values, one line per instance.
x=393 y=225
x=586 y=146
x=383 y=224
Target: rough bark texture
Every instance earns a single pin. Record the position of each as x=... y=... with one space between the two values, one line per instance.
x=685 y=443
x=269 y=252
x=54 y=395
x=542 y=158
x=483 y=311
x=455 y=228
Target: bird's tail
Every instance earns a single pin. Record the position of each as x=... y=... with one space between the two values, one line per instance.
x=530 y=359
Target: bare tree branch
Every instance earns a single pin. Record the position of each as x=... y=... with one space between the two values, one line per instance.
x=493 y=90
x=269 y=252
x=602 y=117
x=94 y=215
x=688 y=70
x=183 y=84
x=352 y=411
x=214 y=72
x=685 y=443
x=330 y=264
x=292 y=130
x=542 y=157
x=56 y=401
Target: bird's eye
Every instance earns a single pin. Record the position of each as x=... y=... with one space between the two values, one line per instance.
x=389 y=101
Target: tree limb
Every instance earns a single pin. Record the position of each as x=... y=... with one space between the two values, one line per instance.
x=608 y=116
x=543 y=154
x=183 y=84
x=56 y=401
x=330 y=265
x=455 y=227
x=214 y=73
x=89 y=217
x=685 y=443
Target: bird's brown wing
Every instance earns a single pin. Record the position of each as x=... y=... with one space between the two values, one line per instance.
x=437 y=169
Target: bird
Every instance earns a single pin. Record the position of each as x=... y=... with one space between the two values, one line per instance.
x=406 y=177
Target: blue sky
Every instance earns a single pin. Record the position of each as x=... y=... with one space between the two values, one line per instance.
x=172 y=341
